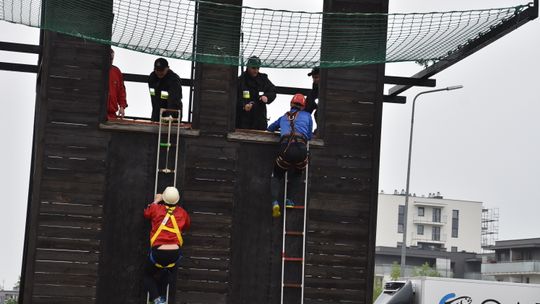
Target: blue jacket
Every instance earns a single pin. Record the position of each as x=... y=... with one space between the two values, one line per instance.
x=303 y=124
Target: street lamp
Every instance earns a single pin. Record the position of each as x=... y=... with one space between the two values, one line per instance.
x=405 y=212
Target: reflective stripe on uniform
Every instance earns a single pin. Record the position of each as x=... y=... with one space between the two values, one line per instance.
x=152 y=92
x=164 y=95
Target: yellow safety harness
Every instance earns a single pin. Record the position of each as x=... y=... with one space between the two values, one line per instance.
x=163 y=226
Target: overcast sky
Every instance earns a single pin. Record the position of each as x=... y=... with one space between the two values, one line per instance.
x=479 y=143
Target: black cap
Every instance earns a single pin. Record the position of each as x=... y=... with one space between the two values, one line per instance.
x=254 y=62
x=160 y=64
x=314 y=71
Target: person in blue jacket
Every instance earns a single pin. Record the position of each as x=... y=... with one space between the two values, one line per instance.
x=296 y=129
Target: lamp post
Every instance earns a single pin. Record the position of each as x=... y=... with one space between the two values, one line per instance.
x=405 y=212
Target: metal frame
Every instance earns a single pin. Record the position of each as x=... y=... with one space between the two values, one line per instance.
x=482 y=41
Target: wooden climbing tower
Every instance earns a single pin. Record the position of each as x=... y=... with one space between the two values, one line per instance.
x=86 y=238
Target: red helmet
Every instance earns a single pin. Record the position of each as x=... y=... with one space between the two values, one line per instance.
x=298 y=100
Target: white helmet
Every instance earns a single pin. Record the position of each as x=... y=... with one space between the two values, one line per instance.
x=171 y=196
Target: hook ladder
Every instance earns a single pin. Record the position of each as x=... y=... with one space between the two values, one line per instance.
x=293 y=250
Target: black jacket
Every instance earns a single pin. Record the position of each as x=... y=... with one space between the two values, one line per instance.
x=256 y=86
x=165 y=93
x=311 y=105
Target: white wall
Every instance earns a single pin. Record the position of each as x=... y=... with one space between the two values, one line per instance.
x=387 y=220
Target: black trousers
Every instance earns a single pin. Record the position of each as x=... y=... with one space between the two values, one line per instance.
x=156 y=279
x=295 y=155
x=158 y=104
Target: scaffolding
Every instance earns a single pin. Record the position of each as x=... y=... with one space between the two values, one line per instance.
x=490 y=228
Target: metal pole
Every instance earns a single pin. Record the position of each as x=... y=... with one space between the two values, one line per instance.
x=304 y=233
x=405 y=212
x=284 y=233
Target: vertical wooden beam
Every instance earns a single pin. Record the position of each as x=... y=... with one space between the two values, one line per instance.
x=216 y=70
x=55 y=126
x=345 y=173
x=30 y=237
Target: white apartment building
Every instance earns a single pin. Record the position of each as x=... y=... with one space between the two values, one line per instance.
x=433 y=223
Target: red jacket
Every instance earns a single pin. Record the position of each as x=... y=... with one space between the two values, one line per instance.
x=156 y=213
x=117 y=92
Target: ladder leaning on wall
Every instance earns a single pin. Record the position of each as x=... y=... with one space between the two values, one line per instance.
x=293 y=251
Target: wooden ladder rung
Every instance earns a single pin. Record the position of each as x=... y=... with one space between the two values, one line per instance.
x=166 y=171
x=294 y=233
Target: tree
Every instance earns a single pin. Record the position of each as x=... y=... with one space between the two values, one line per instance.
x=377 y=288
x=425 y=271
x=10 y=301
x=395 y=273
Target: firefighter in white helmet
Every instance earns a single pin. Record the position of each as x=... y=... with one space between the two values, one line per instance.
x=168 y=221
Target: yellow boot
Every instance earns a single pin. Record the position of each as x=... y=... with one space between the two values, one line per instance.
x=275 y=210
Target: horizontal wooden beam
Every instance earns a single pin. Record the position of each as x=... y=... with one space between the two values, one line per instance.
x=144 y=126
x=410 y=81
x=144 y=79
x=291 y=90
x=482 y=41
x=279 y=89
x=395 y=99
x=19 y=47
x=18 y=67
x=28 y=68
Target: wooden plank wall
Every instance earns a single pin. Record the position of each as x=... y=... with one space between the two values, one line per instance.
x=129 y=187
x=64 y=216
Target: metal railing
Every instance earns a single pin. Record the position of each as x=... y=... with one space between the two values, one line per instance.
x=428 y=220
x=512 y=267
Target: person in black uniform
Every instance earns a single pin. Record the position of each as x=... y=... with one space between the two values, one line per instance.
x=313 y=95
x=165 y=89
x=255 y=91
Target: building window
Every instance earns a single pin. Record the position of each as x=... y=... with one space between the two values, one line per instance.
x=454 y=249
x=436 y=215
x=420 y=211
x=436 y=233
x=401 y=219
x=455 y=223
x=420 y=230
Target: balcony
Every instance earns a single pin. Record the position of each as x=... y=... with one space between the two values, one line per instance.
x=427 y=238
x=522 y=267
x=428 y=220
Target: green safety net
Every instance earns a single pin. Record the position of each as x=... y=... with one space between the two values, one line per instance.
x=229 y=34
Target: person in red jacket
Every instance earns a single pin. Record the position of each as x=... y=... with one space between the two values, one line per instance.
x=168 y=221
x=117 y=92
